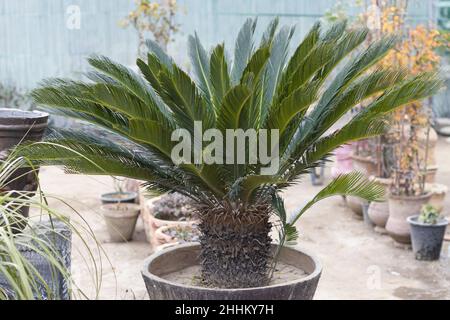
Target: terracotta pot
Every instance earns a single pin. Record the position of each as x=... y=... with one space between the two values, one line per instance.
x=177 y=258
x=400 y=208
x=119 y=197
x=431 y=174
x=379 y=211
x=151 y=224
x=439 y=192
x=365 y=165
x=121 y=220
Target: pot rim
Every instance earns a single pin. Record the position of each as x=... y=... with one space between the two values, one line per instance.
x=402 y=197
x=130 y=194
x=149 y=205
x=146 y=273
x=443 y=221
x=37 y=115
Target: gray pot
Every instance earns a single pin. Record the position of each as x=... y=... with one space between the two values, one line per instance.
x=180 y=257
x=121 y=220
x=17 y=126
x=427 y=238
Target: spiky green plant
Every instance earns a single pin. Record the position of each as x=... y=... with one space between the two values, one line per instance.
x=263 y=87
x=20 y=277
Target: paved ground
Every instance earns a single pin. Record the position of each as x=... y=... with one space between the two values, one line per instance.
x=357 y=262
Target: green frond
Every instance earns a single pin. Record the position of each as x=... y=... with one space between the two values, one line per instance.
x=158 y=52
x=200 y=66
x=243 y=49
x=220 y=79
x=353 y=184
x=233 y=105
x=270 y=31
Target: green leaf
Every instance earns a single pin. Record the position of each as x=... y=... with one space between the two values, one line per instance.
x=220 y=78
x=243 y=49
x=200 y=66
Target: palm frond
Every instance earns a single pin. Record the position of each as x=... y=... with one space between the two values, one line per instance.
x=243 y=49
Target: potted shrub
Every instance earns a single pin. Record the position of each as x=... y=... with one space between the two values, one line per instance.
x=427 y=233
x=120 y=220
x=171 y=209
x=263 y=90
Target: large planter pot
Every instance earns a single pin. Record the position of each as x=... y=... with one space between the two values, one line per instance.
x=379 y=211
x=344 y=162
x=400 y=208
x=427 y=238
x=17 y=126
x=366 y=165
x=151 y=223
x=119 y=197
x=180 y=257
x=439 y=192
x=121 y=220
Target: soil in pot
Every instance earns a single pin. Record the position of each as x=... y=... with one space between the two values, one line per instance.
x=181 y=263
x=400 y=208
x=119 y=197
x=427 y=238
x=120 y=220
x=177 y=234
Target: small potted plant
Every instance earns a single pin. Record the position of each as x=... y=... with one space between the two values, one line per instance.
x=120 y=220
x=120 y=195
x=427 y=233
x=171 y=209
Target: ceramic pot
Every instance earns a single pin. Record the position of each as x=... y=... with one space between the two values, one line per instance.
x=379 y=211
x=400 y=208
x=120 y=220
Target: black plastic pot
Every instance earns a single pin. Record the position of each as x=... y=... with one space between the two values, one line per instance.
x=119 y=197
x=427 y=238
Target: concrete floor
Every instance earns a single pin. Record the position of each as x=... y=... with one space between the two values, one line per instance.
x=357 y=262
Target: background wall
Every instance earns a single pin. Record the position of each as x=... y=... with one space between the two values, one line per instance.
x=36 y=41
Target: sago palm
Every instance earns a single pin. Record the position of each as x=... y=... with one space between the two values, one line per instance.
x=302 y=94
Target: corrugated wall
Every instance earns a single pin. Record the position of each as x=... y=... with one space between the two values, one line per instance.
x=36 y=41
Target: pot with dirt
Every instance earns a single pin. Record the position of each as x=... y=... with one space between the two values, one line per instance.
x=120 y=220
x=427 y=233
x=379 y=211
x=400 y=208
x=174 y=273
x=176 y=234
x=168 y=210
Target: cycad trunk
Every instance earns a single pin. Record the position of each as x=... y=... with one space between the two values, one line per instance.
x=236 y=246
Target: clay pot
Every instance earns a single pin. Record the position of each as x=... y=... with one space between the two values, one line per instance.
x=367 y=221
x=120 y=220
x=366 y=165
x=439 y=192
x=151 y=224
x=379 y=211
x=356 y=205
x=400 y=208
x=427 y=238
x=180 y=257
x=431 y=174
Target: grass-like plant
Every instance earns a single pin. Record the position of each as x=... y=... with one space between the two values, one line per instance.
x=22 y=238
x=302 y=94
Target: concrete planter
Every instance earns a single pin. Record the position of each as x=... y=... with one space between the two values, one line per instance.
x=180 y=257
x=17 y=126
x=151 y=223
x=400 y=208
x=60 y=239
x=121 y=220
x=427 y=238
